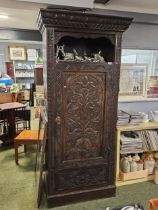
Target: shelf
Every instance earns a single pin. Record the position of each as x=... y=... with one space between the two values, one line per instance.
x=24 y=69
x=133 y=99
x=25 y=77
x=142 y=126
x=133 y=152
x=121 y=183
x=139 y=127
x=85 y=62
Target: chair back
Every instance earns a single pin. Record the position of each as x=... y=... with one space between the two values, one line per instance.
x=24 y=114
x=22 y=117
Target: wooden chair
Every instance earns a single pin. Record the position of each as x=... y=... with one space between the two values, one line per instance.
x=153 y=204
x=22 y=119
x=28 y=137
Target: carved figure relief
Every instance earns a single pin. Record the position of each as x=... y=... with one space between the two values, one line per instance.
x=85 y=49
x=84 y=104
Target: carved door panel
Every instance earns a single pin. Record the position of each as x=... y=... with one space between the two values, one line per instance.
x=83 y=102
x=82 y=149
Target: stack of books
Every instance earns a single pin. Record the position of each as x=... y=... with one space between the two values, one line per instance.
x=150 y=139
x=136 y=118
x=130 y=142
x=122 y=118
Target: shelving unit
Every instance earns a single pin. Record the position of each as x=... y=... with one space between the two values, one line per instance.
x=152 y=91
x=24 y=71
x=140 y=127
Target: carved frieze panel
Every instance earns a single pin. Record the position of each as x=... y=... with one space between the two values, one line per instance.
x=84 y=97
x=78 y=178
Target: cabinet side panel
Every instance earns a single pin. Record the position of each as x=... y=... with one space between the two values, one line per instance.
x=51 y=95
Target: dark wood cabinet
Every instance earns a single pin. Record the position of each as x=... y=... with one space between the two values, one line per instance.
x=10 y=69
x=81 y=79
x=39 y=76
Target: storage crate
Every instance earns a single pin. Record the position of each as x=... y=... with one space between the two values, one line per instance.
x=133 y=175
x=6 y=98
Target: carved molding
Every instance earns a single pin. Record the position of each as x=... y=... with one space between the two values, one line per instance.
x=81 y=21
x=81 y=178
x=78 y=66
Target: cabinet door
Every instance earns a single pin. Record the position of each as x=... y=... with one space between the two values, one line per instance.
x=84 y=149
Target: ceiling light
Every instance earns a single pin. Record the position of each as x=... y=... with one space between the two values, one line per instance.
x=3 y=16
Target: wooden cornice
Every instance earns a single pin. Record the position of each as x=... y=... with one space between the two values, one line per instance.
x=81 y=21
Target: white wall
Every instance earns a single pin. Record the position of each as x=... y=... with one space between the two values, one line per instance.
x=140 y=106
x=141 y=36
x=4 y=52
x=72 y=3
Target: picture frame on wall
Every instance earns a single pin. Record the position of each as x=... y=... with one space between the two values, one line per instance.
x=17 y=53
x=133 y=80
x=31 y=54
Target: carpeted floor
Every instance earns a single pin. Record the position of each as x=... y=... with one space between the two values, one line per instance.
x=18 y=187
x=18 y=190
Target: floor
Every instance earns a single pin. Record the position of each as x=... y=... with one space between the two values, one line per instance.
x=18 y=187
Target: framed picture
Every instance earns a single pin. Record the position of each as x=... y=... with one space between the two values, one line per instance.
x=133 y=80
x=17 y=53
x=31 y=54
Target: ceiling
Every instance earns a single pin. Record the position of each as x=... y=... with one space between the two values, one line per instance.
x=23 y=13
x=140 y=6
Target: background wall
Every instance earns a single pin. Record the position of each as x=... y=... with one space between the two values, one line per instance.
x=139 y=106
x=140 y=36
x=31 y=39
x=20 y=34
x=4 y=52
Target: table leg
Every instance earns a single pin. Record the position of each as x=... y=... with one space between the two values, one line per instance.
x=11 y=122
x=16 y=152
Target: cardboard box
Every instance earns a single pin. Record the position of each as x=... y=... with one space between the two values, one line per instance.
x=133 y=175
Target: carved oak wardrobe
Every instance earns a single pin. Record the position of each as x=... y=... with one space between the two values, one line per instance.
x=81 y=78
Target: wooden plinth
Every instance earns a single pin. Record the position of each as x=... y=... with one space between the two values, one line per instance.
x=80 y=196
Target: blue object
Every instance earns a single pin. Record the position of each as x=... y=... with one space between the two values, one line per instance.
x=6 y=81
